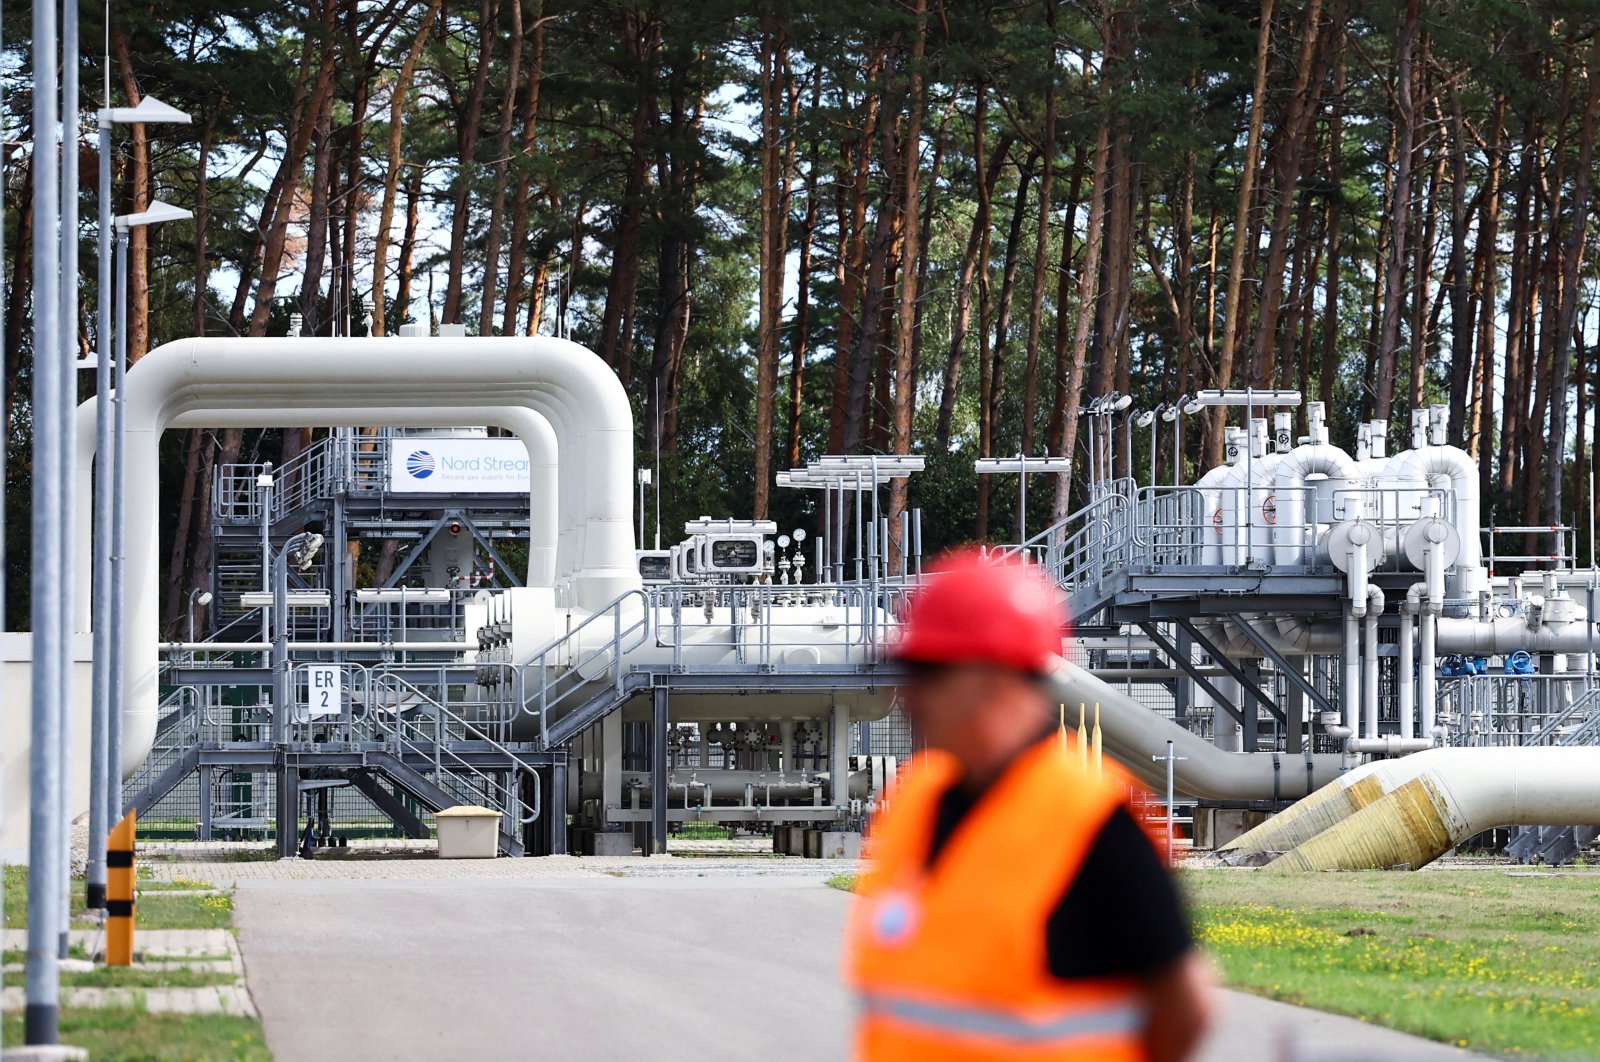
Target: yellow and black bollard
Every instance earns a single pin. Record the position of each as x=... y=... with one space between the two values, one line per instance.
x=119 y=892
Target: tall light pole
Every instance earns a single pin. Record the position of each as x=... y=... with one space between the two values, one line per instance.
x=157 y=213
x=1022 y=465
x=46 y=815
x=105 y=772
x=67 y=396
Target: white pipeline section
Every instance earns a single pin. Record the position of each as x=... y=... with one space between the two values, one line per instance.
x=1436 y=799
x=1133 y=734
x=398 y=382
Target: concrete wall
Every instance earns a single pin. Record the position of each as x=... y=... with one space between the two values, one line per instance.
x=16 y=652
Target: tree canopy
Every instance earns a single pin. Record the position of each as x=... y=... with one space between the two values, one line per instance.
x=922 y=226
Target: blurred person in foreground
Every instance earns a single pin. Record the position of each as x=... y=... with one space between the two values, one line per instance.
x=1013 y=907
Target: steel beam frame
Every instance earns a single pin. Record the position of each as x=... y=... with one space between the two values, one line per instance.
x=1239 y=674
x=1199 y=676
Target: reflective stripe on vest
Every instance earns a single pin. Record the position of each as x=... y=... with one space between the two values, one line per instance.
x=1113 y=1019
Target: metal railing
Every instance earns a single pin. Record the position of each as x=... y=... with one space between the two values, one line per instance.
x=562 y=667
x=427 y=728
x=1499 y=710
x=1564 y=538
x=761 y=628
x=1084 y=546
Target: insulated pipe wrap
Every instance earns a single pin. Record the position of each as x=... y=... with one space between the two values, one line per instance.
x=1439 y=798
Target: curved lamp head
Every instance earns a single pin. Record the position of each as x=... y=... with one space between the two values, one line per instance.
x=154 y=214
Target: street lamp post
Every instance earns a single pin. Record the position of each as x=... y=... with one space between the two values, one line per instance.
x=299 y=551
x=157 y=212
x=46 y=815
x=205 y=599
x=67 y=396
x=105 y=770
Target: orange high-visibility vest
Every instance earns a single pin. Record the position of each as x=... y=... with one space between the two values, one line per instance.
x=950 y=962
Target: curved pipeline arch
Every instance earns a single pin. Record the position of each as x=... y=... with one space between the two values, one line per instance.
x=405 y=381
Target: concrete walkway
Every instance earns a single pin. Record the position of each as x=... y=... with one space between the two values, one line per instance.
x=678 y=959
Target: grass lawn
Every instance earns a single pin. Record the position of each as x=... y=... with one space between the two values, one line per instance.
x=134 y=977
x=153 y=910
x=1507 y=963
x=121 y=1035
x=130 y=1034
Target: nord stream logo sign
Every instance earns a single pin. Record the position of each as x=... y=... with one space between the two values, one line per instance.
x=421 y=464
x=464 y=466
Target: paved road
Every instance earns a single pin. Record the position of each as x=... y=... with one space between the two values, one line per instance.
x=685 y=965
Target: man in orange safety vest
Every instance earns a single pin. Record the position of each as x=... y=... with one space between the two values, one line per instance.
x=1013 y=907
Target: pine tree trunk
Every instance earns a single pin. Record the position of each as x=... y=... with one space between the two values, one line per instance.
x=910 y=210
x=1232 y=306
x=391 y=183
x=1481 y=441
x=1088 y=281
x=138 y=199
x=515 y=287
x=277 y=228
x=467 y=145
x=502 y=162
x=1399 y=217
x=1041 y=254
x=802 y=300
x=853 y=255
x=1572 y=256
x=773 y=241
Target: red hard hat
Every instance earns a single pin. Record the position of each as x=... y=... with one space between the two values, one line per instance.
x=974 y=610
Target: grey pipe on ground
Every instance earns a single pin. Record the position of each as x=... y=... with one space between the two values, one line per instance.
x=1132 y=733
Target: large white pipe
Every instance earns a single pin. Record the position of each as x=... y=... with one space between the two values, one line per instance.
x=1475 y=637
x=1349 y=689
x=529 y=426
x=1455 y=470
x=1296 y=539
x=1213 y=528
x=1133 y=734
x=1406 y=681
x=339 y=382
x=1427 y=670
x=1436 y=799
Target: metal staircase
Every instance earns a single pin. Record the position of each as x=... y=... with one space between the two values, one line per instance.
x=394 y=738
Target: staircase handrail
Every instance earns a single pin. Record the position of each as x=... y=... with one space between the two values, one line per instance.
x=440 y=747
x=1062 y=553
x=1586 y=730
x=623 y=639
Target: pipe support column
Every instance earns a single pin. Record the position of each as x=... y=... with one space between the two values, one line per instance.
x=658 y=771
x=839 y=756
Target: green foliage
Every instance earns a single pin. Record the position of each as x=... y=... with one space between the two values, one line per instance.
x=117 y=1034
x=648 y=130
